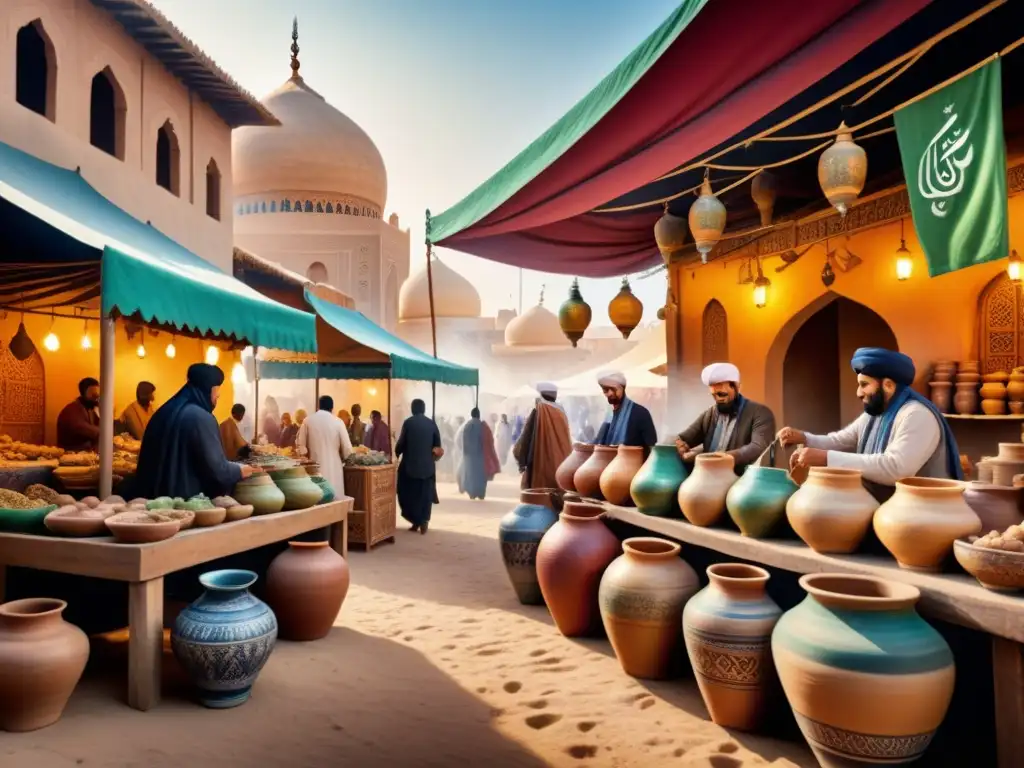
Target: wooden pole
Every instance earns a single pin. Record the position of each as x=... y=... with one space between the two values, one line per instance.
x=256 y=395
x=106 y=446
x=389 y=418
x=316 y=389
x=433 y=319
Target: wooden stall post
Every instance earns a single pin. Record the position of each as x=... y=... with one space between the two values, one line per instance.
x=433 y=319
x=256 y=395
x=390 y=422
x=316 y=389
x=107 y=341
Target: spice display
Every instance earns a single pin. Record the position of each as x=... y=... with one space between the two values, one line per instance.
x=1010 y=540
x=362 y=456
x=14 y=450
x=80 y=459
x=15 y=500
x=42 y=493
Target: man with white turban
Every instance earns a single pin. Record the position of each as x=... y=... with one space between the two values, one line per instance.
x=545 y=441
x=629 y=423
x=733 y=425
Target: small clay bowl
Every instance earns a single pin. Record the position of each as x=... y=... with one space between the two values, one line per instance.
x=207 y=517
x=185 y=517
x=69 y=521
x=995 y=569
x=140 y=528
x=240 y=512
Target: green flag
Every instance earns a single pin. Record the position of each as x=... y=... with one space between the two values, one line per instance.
x=954 y=161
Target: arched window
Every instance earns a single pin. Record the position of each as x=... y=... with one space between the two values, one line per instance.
x=107 y=114
x=213 y=190
x=36 y=78
x=168 y=159
x=317 y=272
x=715 y=333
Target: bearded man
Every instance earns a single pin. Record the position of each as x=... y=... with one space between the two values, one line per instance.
x=544 y=443
x=629 y=423
x=900 y=434
x=733 y=425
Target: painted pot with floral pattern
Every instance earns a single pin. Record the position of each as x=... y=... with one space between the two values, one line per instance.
x=869 y=681
x=702 y=495
x=519 y=535
x=588 y=477
x=567 y=469
x=757 y=501
x=617 y=476
x=655 y=487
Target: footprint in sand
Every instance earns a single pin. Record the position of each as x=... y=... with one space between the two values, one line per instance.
x=490 y=651
x=585 y=726
x=409 y=605
x=537 y=704
x=566 y=668
x=647 y=703
x=489 y=643
x=552 y=692
x=408 y=638
x=728 y=747
x=549 y=660
x=423 y=628
x=481 y=689
x=657 y=742
x=461 y=636
x=538 y=722
x=538 y=652
x=581 y=751
x=470 y=621
x=448 y=647
x=723 y=761
x=636 y=697
x=512 y=686
x=678 y=752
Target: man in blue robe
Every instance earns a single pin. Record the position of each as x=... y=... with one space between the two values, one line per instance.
x=629 y=423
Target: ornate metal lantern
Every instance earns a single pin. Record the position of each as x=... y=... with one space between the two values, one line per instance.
x=842 y=170
x=763 y=192
x=707 y=220
x=625 y=310
x=761 y=286
x=669 y=234
x=574 y=314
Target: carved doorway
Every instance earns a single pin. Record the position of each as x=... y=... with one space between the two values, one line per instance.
x=22 y=397
x=714 y=334
x=1000 y=325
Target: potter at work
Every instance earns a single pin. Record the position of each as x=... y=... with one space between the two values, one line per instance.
x=733 y=425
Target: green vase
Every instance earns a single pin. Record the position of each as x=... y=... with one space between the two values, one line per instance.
x=757 y=501
x=655 y=487
x=299 y=492
x=329 y=494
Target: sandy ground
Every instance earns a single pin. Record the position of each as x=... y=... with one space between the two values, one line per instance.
x=433 y=662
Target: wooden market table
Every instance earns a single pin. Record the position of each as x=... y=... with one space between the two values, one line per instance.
x=374 y=517
x=144 y=566
x=954 y=598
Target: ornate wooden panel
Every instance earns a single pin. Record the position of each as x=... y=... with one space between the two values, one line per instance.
x=374 y=514
x=715 y=333
x=22 y=397
x=1000 y=325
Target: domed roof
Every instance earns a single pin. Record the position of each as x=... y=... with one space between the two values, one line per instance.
x=454 y=295
x=536 y=327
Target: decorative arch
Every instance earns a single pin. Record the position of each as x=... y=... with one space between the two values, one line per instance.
x=168 y=159
x=107 y=113
x=23 y=397
x=1000 y=324
x=317 y=272
x=36 y=70
x=213 y=190
x=714 y=333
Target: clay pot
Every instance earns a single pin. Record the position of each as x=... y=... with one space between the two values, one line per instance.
x=968 y=366
x=985 y=470
x=1016 y=407
x=1005 y=466
x=300 y=492
x=42 y=658
x=996 y=506
x=588 y=477
x=306 y=585
x=619 y=474
x=567 y=469
x=945 y=365
x=1015 y=389
x=757 y=501
x=702 y=495
x=1000 y=377
x=1018 y=481
x=832 y=511
x=868 y=679
x=993 y=407
x=943 y=375
x=966 y=398
x=259 y=491
x=993 y=390
x=942 y=395
x=655 y=487
x=919 y=524
x=642 y=595
x=968 y=378
x=519 y=534
x=1011 y=451
x=571 y=559
x=728 y=628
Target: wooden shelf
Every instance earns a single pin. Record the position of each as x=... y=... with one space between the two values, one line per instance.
x=984 y=417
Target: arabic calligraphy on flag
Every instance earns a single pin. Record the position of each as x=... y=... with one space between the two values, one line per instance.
x=954 y=160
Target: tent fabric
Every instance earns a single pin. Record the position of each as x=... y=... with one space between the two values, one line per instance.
x=407 y=362
x=681 y=100
x=636 y=363
x=142 y=270
x=331 y=371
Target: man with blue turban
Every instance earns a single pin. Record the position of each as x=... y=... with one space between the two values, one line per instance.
x=900 y=434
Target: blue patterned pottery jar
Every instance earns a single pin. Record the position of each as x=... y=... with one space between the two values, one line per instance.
x=519 y=534
x=224 y=638
x=868 y=679
x=655 y=487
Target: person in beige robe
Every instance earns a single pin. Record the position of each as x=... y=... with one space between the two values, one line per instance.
x=138 y=413
x=235 y=445
x=545 y=441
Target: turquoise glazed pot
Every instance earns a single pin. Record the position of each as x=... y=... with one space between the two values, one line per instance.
x=224 y=638
x=519 y=535
x=757 y=501
x=868 y=679
x=324 y=486
x=655 y=487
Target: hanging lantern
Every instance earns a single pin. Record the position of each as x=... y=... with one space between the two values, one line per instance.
x=238 y=375
x=842 y=170
x=763 y=192
x=1013 y=267
x=707 y=220
x=86 y=341
x=51 y=342
x=21 y=345
x=171 y=350
x=761 y=286
x=625 y=310
x=669 y=234
x=212 y=355
x=140 y=351
x=574 y=314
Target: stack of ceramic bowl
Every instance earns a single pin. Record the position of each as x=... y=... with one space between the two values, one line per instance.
x=993 y=393
x=965 y=401
x=942 y=385
x=1006 y=465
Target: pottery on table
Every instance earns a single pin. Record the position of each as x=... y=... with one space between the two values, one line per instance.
x=943 y=376
x=519 y=535
x=25 y=520
x=73 y=522
x=965 y=401
x=869 y=681
x=757 y=501
x=567 y=469
x=1016 y=407
x=995 y=377
x=992 y=407
x=261 y=492
x=300 y=492
x=702 y=495
x=832 y=510
x=306 y=585
x=139 y=528
x=1015 y=387
x=727 y=627
x=618 y=475
x=985 y=470
x=919 y=524
x=1011 y=451
x=588 y=477
x=998 y=507
x=995 y=569
x=224 y=638
x=209 y=517
x=571 y=559
x=655 y=488
x=993 y=390
x=42 y=658
x=1004 y=470
x=641 y=596
x=325 y=486
x=942 y=395
x=238 y=512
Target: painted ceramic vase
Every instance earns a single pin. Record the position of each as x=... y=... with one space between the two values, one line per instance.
x=642 y=595
x=942 y=395
x=588 y=477
x=868 y=679
x=728 y=627
x=919 y=524
x=702 y=495
x=655 y=487
x=965 y=401
x=259 y=491
x=306 y=585
x=519 y=535
x=618 y=475
x=42 y=658
x=300 y=492
x=224 y=638
x=324 y=486
x=571 y=559
x=567 y=469
x=832 y=511
x=757 y=501
x=997 y=506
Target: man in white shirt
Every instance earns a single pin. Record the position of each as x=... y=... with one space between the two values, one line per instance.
x=324 y=438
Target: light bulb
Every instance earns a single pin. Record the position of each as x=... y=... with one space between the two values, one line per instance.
x=171 y=351
x=212 y=355
x=1013 y=267
x=51 y=342
x=760 y=295
x=141 y=350
x=86 y=341
x=904 y=267
x=238 y=374
x=372 y=391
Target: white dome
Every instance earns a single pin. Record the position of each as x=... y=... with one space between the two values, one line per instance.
x=537 y=327
x=454 y=295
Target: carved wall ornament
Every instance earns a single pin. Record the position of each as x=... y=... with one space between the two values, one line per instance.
x=715 y=333
x=1000 y=325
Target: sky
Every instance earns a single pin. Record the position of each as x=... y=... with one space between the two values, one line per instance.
x=449 y=90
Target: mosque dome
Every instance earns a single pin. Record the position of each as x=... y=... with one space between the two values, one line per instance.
x=454 y=295
x=536 y=327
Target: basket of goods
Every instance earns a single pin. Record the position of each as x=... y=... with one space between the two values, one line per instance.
x=14 y=452
x=20 y=514
x=996 y=559
x=362 y=456
x=79 y=469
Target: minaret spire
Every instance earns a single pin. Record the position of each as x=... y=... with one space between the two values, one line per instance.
x=295 y=49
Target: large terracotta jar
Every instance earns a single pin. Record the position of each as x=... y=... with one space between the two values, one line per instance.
x=728 y=628
x=993 y=390
x=567 y=469
x=919 y=524
x=519 y=535
x=832 y=511
x=656 y=486
x=619 y=474
x=942 y=395
x=588 y=477
x=300 y=492
x=702 y=495
x=260 y=492
x=965 y=400
x=642 y=596
x=997 y=507
x=571 y=559
x=42 y=658
x=306 y=585
x=757 y=501
x=868 y=679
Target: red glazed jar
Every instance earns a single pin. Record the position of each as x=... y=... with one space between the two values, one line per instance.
x=588 y=477
x=306 y=585
x=567 y=469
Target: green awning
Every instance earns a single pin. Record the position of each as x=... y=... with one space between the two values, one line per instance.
x=279 y=369
x=144 y=271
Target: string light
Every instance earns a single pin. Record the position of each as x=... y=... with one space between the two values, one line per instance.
x=238 y=374
x=86 y=341
x=212 y=355
x=904 y=259
x=51 y=342
x=171 y=350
